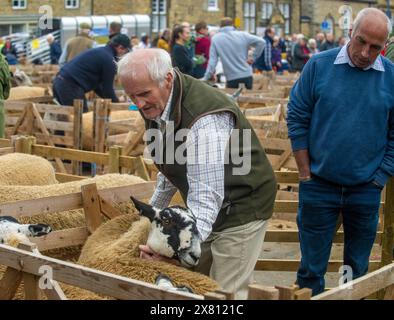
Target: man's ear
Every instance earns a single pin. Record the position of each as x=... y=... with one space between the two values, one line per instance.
x=169 y=78
x=145 y=209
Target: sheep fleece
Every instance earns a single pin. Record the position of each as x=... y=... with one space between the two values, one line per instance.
x=114 y=248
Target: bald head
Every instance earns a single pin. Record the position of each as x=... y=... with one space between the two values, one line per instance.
x=375 y=19
x=368 y=37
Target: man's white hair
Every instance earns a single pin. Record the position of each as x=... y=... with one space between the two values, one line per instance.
x=157 y=63
x=371 y=11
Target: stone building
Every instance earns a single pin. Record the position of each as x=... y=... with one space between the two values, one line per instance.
x=286 y=16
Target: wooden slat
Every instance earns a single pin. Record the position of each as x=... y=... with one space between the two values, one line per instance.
x=108 y=210
x=114 y=154
x=74 y=200
x=91 y=206
x=6 y=150
x=63 y=177
x=275 y=143
x=361 y=287
x=287 y=293
x=292 y=265
x=259 y=292
x=60 y=140
x=15 y=105
x=86 y=278
x=58 y=125
x=69 y=154
x=61 y=239
x=9 y=283
x=292 y=236
x=5 y=143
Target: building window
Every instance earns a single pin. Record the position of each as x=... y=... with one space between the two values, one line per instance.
x=19 y=4
x=284 y=9
x=266 y=10
x=250 y=16
x=71 y=4
x=213 y=5
x=159 y=15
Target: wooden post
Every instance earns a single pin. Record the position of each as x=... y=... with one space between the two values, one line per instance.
x=287 y=293
x=100 y=119
x=31 y=282
x=78 y=111
x=388 y=229
x=114 y=159
x=259 y=292
x=9 y=283
x=303 y=294
x=91 y=206
x=140 y=168
x=214 y=296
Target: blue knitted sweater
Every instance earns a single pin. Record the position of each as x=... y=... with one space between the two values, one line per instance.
x=344 y=117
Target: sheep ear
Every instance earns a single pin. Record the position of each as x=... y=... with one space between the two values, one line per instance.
x=145 y=209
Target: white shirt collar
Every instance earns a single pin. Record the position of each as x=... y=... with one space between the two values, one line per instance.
x=343 y=58
x=165 y=116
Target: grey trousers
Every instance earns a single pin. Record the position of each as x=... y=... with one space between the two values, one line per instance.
x=229 y=256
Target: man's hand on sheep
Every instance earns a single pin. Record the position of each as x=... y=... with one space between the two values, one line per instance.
x=148 y=254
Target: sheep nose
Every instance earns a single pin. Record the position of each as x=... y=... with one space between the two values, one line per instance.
x=194 y=257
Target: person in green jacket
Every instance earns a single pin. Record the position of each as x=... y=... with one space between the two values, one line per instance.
x=230 y=191
x=5 y=87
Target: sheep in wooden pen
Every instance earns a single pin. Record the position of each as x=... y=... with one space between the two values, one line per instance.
x=68 y=219
x=114 y=248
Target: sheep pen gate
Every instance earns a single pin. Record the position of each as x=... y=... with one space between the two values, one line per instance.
x=50 y=124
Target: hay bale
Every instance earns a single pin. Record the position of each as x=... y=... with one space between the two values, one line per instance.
x=114 y=248
x=18 y=169
x=24 y=93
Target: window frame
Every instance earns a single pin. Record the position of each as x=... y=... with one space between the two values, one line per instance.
x=70 y=6
x=158 y=11
x=287 y=17
x=19 y=7
x=213 y=8
x=250 y=15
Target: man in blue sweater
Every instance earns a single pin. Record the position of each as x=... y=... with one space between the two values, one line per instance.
x=341 y=126
x=232 y=46
x=94 y=69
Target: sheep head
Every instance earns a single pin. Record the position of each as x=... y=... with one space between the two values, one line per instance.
x=173 y=232
x=10 y=227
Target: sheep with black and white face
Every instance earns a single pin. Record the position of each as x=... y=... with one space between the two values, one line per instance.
x=10 y=227
x=173 y=233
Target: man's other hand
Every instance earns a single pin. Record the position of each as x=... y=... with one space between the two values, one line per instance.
x=148 y=254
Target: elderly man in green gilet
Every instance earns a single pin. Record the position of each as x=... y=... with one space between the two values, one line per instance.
x=231 y=194
x=5 y=87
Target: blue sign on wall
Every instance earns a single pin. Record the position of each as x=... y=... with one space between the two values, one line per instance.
x=325 y=25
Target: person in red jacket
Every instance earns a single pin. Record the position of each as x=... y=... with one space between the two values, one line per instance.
x=203 y=44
